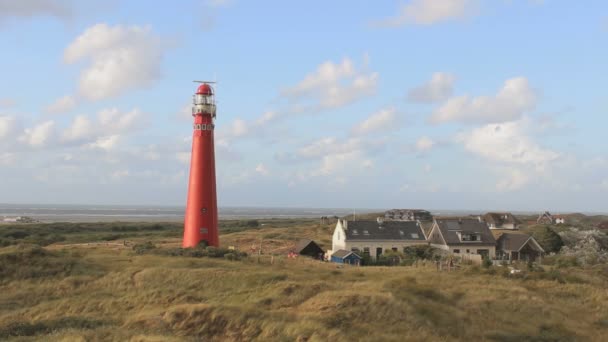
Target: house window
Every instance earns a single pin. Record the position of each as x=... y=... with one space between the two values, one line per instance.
x=366 y=251
x=338 y=235
x=354 y=249
x=467 y=251
x=394 y=249
x=415 y=235
x=457 y=251
x=469 y=237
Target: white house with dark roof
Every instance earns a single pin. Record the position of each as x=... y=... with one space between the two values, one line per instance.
x=502 y=221
x=373 y=238
x=463 y=236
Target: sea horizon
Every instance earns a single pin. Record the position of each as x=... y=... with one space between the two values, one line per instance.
x=159 y=213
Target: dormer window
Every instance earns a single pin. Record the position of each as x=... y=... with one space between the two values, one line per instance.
x=470 y=237
x=415 y=235
x=401 y=233
x=355 y=232
x=365 y=232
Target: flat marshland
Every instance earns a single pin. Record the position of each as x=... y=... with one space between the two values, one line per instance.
x=131 y=282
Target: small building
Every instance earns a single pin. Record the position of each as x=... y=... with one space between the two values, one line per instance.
x=309 y=248
x=408 y=215
x=559 y=219
x=514 y=246
x=545 y=218
x=502 y=221
x=463 y=236
x=346 y=257
x=373 y=238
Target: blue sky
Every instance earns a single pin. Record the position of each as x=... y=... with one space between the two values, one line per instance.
x=440 y=104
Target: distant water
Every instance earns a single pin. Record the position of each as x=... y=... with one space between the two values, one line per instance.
x=98 y=213
x=105 y=213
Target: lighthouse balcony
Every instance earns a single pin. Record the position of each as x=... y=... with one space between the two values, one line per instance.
x=203 y=109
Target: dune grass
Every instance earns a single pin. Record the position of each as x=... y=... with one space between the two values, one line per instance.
x=99 y=293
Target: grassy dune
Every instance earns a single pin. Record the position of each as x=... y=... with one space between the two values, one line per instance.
x=100 y=292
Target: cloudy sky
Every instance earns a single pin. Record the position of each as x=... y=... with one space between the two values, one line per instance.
x=453 y=104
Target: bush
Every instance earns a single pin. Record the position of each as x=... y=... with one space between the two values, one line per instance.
x=142 y=248
x=47 y=327
x=549 y=240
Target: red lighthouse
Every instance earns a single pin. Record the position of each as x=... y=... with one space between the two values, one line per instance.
x=200 y=224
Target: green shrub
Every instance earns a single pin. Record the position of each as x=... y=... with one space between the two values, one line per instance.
x=47 y=327
x=547 y=238
x=142 y=248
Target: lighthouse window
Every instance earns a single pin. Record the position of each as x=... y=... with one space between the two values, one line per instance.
x=204 y=127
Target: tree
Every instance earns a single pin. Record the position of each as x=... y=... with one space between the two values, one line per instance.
x=548 y=239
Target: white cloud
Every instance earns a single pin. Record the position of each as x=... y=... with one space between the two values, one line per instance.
x=332 y=85
x=238 y=128
x=514 y=179
x=122 y=58
x=80 y=128
x=39 y=134
x=113 y=120
x=424 y=144
x=105 y=132
x=106 y=143
x=32 y=8
x=120 y=174
x=381 y=120
x=267 y=117
x=7 y=124
x=62 y=105
x=428 y=12
x=439 y=88
x=507 y=143
x=7 y=159
x=339 y=158
x=262 y=170
x=514 y=99
x=183 y=157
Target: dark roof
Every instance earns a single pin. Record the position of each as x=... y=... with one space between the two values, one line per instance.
x=387 y=230
x=499 y=219
x=450 y=227
x=512 y=242
x=341 y=253
x=303 y=243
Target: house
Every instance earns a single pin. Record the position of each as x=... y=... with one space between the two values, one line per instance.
x=346 y=257
x=559 y=219
x=373 y=238
x=408 y=215
x=545 y=218
x=502 y=221
x=309 y=248
x=513 y=246
x=463 y=236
